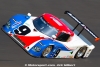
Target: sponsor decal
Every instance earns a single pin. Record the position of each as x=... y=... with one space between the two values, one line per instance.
x=56 y=21
x=58 y=57
x=54 y=50
x=15 y=24
x=71 y=52
x=69 y=56
x=89 y=51
x=87 y=54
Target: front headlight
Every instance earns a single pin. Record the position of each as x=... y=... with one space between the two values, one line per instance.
x=36 y=48
x=8 y=24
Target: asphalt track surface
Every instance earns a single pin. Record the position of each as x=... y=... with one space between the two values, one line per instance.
x=88 y=11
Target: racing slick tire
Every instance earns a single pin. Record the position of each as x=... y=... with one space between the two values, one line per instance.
x=80 y=53
x=47 y=51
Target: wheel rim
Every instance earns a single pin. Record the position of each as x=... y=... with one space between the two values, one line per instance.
x=81 y=52
x=47 y=51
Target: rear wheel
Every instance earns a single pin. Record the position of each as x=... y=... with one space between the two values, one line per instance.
x=47 y=51
x=80 y=52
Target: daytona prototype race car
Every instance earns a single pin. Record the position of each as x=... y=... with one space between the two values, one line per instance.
x=47 y=36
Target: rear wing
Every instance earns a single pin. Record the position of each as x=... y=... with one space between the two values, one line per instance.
x=83 y=26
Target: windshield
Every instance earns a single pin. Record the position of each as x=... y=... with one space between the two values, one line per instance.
x=42 y=26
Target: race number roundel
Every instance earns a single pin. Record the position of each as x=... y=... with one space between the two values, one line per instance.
x=22 y=30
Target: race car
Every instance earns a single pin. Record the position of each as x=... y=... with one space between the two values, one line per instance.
x=47 y=36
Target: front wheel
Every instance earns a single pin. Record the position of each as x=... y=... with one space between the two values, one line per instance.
x=47 y=51
x=80 y=53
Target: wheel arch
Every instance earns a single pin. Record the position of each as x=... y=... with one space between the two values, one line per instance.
x=85 y=47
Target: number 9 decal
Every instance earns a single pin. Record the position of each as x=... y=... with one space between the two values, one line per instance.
x=22 y=30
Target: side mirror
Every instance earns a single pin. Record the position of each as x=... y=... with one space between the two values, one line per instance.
x=53 y=36
x=29 y=14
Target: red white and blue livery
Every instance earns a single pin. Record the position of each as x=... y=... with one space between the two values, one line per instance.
x=47 y=36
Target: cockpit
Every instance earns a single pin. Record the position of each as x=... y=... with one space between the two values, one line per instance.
x=64 y=37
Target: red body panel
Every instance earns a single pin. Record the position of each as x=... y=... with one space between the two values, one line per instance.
x=57 y=23
x=27 y=40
